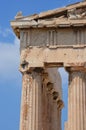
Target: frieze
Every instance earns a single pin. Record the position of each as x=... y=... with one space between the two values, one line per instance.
x=52 y=37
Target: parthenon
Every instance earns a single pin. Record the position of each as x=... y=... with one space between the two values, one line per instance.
x=48 y=41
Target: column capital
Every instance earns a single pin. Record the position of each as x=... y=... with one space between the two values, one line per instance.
x=24 y=68
x=76 y=67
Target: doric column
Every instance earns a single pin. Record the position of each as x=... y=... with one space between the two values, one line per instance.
x=76 y=99
x=31 y=105
x=52 y=107
x=52 y=101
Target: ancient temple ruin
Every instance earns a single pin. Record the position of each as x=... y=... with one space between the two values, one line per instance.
x=49 y=40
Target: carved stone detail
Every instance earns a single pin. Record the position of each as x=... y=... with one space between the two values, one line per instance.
x=50 y=87
x=76 y=13
x=52 y=38
x=19 y=15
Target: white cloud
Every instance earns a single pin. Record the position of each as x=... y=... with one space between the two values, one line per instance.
x=9 y=60
x=6 y=32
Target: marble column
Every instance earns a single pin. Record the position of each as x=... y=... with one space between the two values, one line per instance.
x=31 y=105
x=51 y=111
x=52 y=102
x=76 y=99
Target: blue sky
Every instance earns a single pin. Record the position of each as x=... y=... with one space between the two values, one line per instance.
x=10 y=77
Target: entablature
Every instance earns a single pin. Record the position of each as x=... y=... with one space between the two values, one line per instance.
x=53 y=38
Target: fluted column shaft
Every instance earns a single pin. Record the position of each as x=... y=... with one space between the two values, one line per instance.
x=31 y=106
x=51 y=112
x=52 y=103
x=77 y=100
